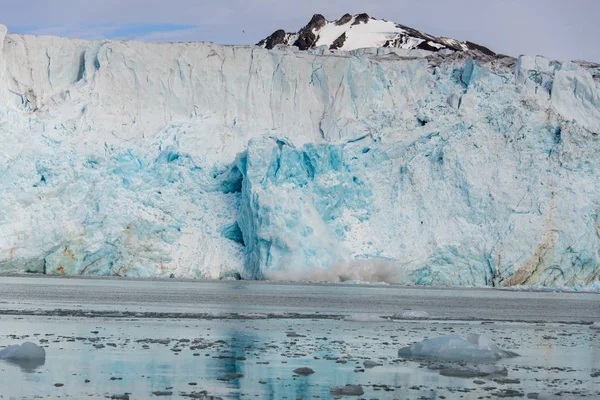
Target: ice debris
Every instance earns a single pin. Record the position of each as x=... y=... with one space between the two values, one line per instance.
x=372 y=364
x=475 y=348
x=304 y=371
x=472 y=371
x=348 y=390
x=595 y=325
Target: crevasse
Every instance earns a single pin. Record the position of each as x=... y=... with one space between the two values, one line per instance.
x=207 y=161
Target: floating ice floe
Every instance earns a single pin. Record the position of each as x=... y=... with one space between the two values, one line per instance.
x=27 y=356
x=475 y=348
x=595 y=325
x=348 y=390
x=304 y=371
x=372 y=364
x=26 y=351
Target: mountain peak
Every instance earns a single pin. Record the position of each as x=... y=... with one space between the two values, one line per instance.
x=351 y=32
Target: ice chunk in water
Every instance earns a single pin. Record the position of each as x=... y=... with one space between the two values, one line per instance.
x=372 y=364
x=474 y=348
x=27 y=356
x=348 y=390
x=595 y=325
x=26 y=351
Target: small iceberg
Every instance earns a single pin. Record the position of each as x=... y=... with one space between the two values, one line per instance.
x=27 y=356
x=26 y=351
x=595 y=325
x=475 y=348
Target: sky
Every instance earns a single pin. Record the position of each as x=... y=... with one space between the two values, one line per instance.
x=559 y=29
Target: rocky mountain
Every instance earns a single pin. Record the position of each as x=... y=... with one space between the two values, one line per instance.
x=352 y=32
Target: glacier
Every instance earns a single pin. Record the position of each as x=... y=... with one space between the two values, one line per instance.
x=205 y=161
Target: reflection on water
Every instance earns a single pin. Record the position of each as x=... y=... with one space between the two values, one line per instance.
x=237 y=359
x=27 y=366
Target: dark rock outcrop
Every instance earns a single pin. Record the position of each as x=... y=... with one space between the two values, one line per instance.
x=307 y=38
x=478 y=47
x=361 y=18
x=339 y=42
x=278 y=37
x=426 y=45
x=344 y=20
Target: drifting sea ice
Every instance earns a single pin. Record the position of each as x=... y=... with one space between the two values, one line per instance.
x=26 y=351
x=595 y=325
x=372 y=364
x=475 y=348
x=348 y=390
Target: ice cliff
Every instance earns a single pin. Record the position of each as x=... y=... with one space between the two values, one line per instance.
x=208 y=161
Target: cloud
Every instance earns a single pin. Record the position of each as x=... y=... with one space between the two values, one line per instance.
x=559 y=29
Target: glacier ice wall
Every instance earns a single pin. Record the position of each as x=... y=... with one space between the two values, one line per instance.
x=207 y=161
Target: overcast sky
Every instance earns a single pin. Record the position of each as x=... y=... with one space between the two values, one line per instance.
x=560 y=29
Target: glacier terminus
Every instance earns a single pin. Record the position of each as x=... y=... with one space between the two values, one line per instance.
x=412 y=164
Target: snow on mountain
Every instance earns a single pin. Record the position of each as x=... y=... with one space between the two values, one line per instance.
x=362 y=31
x=206 y=161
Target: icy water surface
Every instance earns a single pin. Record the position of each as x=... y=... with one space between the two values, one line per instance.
x=252 y=351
